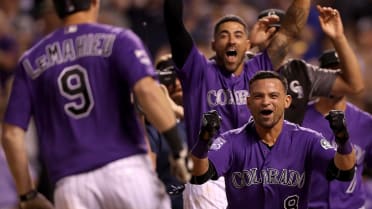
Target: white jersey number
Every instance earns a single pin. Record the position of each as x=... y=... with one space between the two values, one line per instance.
x=74 y=84
x=291 y=202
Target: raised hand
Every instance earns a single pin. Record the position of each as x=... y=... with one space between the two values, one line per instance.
x=211 y=122
x=330 y=21
x=262 y=33
x=337 y=123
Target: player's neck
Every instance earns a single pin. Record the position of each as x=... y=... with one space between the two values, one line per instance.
x=270 y=135
x=80 y=18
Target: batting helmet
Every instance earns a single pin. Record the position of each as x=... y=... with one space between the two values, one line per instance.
x=273 y=11
x=329 y=59
x=67 y=7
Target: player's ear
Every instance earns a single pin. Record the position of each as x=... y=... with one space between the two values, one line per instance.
x=288 y=101
x=248 y=102
x=248 y=44
x=213 y=43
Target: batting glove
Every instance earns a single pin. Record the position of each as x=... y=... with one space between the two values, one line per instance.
x=211 y=122
x=337 y=123
x=181 y=165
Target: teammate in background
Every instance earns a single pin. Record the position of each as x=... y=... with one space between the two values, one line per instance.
x=222 y=83
x=173 y=91
x=267 y=163
x=76 y=83
x=335 y=194
x=307 y=81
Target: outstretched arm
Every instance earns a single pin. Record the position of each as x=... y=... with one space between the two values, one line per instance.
x=293 y=22
x=350 y=80
x=342 y=167
x=203 y=168
x=180 y=40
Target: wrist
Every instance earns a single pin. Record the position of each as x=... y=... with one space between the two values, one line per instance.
x=201 y=149
x=28 y=195
x=345 y=148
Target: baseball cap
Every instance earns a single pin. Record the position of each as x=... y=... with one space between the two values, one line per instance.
x=268 y=12
x=329 y=59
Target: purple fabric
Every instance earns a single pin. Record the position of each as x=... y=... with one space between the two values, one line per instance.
x=337 y=194
x=345 y=149
x=77 y=84
x=259 y=177
x=206 y=87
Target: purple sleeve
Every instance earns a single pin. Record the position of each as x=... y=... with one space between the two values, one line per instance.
x=195 y=67
x=322 y=152
x=258 y=63
x=131 y=58
x=220 y=154
x=18 y=111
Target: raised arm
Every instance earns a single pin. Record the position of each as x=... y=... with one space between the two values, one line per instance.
x=203 y=168
x=180 y=40
x=350 y=80
x=293 y=22
x=343 y=165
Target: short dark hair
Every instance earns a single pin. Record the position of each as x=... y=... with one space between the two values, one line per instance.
x=269 y=74
x=229 y=18
x=68 y=7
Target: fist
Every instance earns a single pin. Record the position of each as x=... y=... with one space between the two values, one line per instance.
x=211 y=122
x=337 y=122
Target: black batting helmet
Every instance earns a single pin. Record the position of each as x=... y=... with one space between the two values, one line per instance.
x=67 y=7
x=329 y=59
x=273 y=11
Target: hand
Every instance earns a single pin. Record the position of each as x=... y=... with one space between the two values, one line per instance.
x=337 y=123
x=177 y=109
x=211 y=122
x=39 y=202
x=261 y=32
x=330 y=21
x=181 y=165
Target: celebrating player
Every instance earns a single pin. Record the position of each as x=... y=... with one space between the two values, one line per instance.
x=343 y=194
x=222 y=83
x=267 y=163
x=76 y=83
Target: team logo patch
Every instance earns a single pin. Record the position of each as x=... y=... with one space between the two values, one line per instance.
x=217 y=143
x=325 y=144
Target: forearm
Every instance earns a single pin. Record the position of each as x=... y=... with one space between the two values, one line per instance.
x=14 y=148
x=351 y=72
x=154 y=104
x=345 y=161
x=180 y=40
x=293 y=22
x=200 y=165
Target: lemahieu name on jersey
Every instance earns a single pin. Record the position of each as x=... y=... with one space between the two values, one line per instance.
x=97 y=44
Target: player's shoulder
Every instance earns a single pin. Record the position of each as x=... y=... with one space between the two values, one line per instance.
x=358 y=114
x=300 y=132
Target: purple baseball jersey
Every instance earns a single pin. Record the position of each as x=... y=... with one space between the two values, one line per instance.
x=206 y=87
x=77 y=83
x=337 y=194
x=257 y=176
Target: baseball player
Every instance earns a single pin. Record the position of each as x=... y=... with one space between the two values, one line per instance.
x=267 y=163
x=307 y=81
x=222 y=83
x=336 y=194
x=76 y=83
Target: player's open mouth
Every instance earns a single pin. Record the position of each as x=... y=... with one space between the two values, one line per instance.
x=231 y=55
x=266 y=112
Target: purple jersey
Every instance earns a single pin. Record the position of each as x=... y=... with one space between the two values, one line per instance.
x=205 y=87
x=342 y=194
x=257 y=176
x=77 y=83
